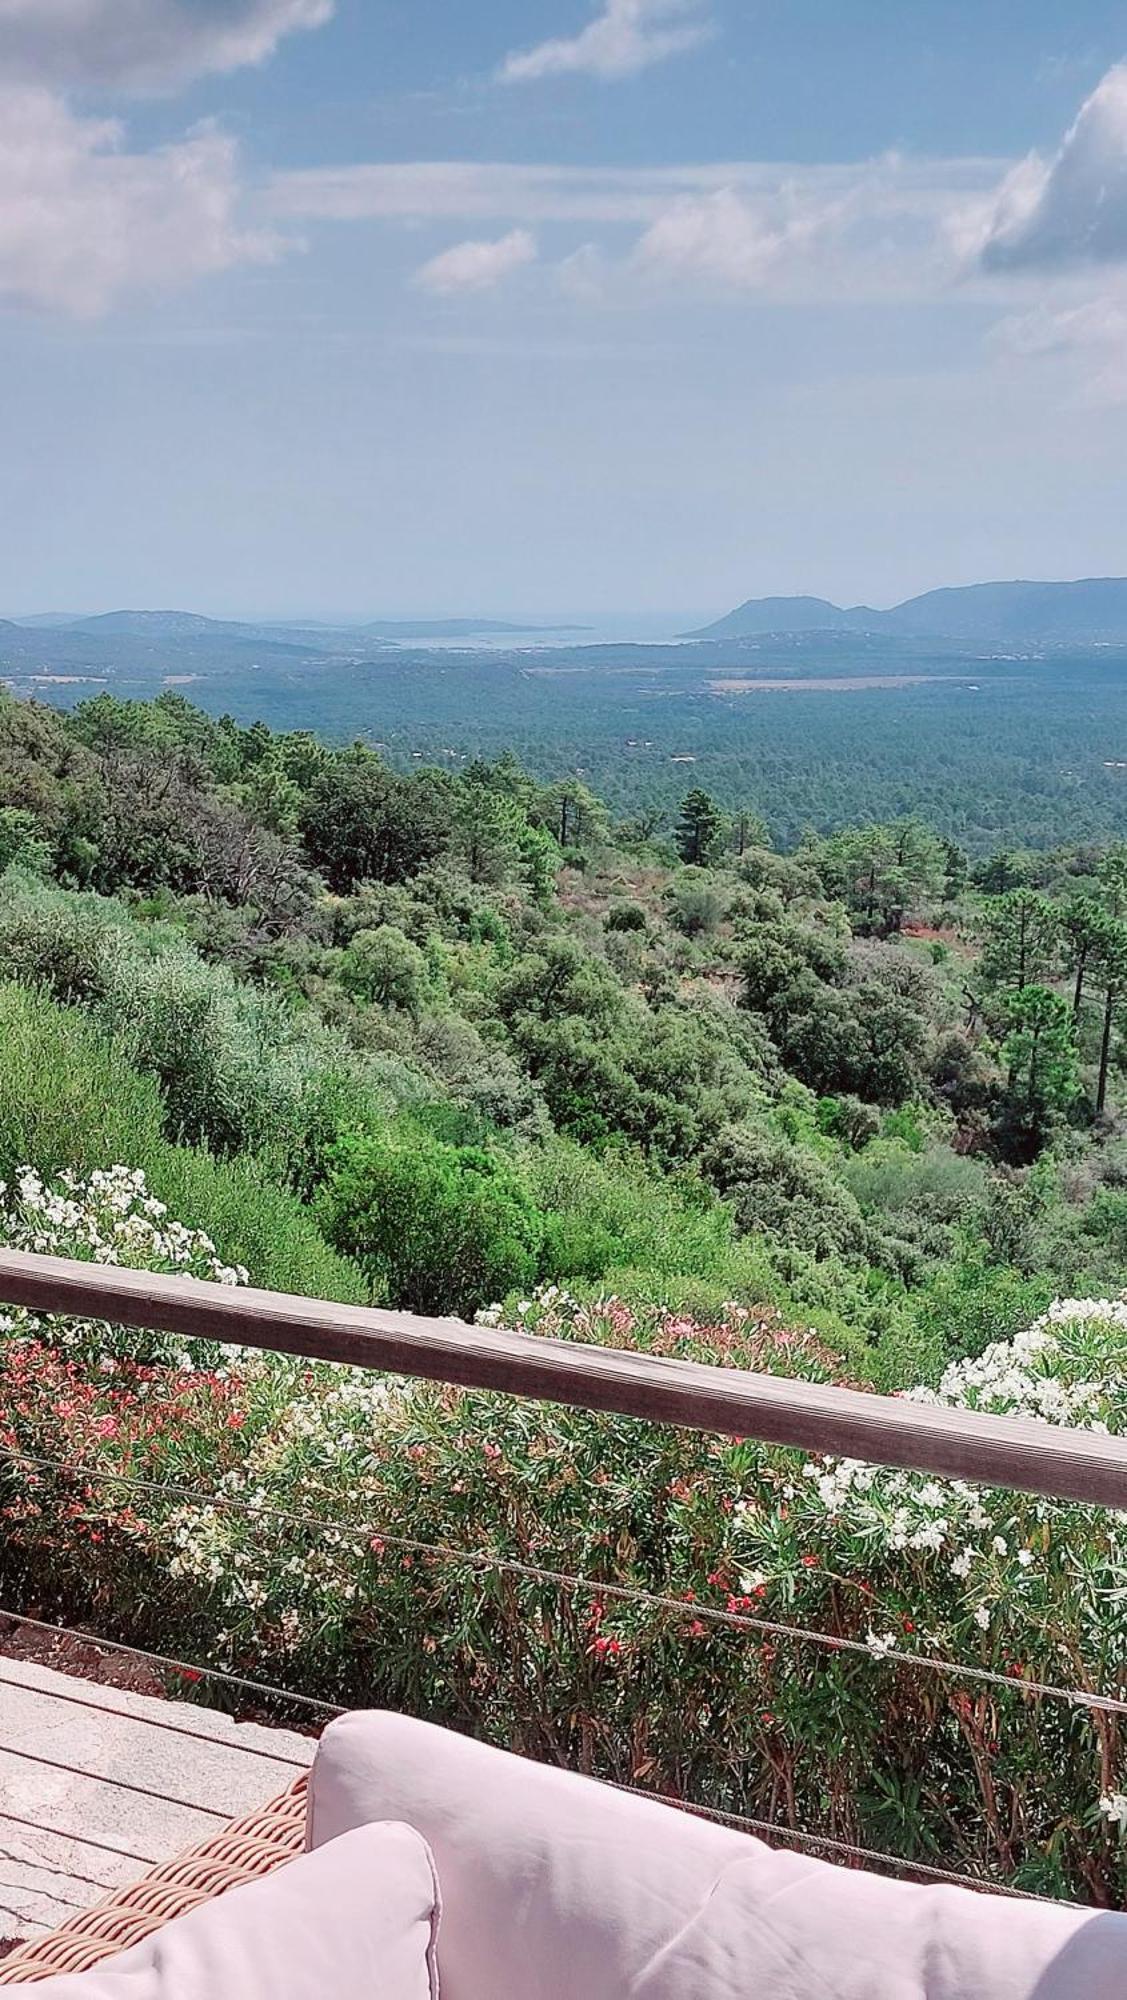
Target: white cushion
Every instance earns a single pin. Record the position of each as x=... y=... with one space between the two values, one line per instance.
x=557 y=1888
x=355 y=1921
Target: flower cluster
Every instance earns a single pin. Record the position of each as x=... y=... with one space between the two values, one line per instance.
x=105 y=1217
x=379 y=1542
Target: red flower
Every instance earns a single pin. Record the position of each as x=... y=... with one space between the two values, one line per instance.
x=809 y=1562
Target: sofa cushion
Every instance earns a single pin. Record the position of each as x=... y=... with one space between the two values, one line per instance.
x=355 y=1921
x=558 y=1888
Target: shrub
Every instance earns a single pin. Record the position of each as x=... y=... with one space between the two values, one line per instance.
x=786 y=1192
x=680 y=1658
x=627 y=917
x=239 y=1068
x=384 y=967
x=70 y=1101
x=438 y=1227
x=603 y=1215
x=68 y=1097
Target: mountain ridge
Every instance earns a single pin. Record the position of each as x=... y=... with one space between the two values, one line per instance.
x=1090 y=608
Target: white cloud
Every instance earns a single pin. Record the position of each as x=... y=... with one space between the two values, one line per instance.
x=627 y=36
x=871 y=232
x=1072 y=208
x=1045 y=330
x=143 y=44
x=83 y=221
x=864 y=229
x=716 y=236
x=477 y=265
x=500 y=190
x=1089 y=336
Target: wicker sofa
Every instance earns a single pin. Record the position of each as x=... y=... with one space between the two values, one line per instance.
x=540 y=1885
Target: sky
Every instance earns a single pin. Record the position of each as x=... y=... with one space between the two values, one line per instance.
x=557 y=308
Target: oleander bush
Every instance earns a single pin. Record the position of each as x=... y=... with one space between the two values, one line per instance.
x=367 y=1540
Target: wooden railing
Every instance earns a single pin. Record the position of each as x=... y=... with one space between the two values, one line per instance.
x=884 y=1430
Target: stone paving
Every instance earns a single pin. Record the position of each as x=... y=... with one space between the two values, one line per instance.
x=98 y=1784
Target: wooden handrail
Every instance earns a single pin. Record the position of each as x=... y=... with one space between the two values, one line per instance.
x=884 y=1430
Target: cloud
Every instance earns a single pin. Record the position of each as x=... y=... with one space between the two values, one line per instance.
x=869 y=233
x=504 y=191
x=629 y=35
x=1094 y=323
x=476 y=266
x=855 y=229
x=716 y=236
x=1091 y=336
x=143 y=45
x=1049 y=214
x=83 y=221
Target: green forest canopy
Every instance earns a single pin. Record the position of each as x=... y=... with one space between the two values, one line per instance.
x=434 y=1037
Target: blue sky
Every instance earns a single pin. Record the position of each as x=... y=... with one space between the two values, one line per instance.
x=397 y=307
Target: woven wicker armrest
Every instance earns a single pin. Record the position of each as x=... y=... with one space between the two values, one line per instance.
x=243 y=1851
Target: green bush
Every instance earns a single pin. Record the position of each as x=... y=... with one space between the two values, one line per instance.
x=239 y=1068
x=438 y=1227
x=605 y=1213
x=69 y=1099
x=255 y=1221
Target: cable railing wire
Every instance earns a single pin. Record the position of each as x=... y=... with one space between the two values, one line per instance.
x=185 y=1668
x=842 y=1850
x=103 y=1778
x=84 y=1839
x=763 y=1829
x=564 y=1579
x=129 y=1715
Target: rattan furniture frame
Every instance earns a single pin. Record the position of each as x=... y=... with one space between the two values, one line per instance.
x=245 y=1850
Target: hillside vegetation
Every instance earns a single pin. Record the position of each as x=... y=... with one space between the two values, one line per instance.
x=437 y=1039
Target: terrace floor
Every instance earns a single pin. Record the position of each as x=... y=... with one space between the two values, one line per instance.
x=99 y=1783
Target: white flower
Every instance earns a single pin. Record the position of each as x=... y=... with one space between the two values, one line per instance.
x=1113 y=1807
x=1025 y=1557
x=961 y=1567
x=999 y=1546
x=982 y=1618
x=880 y=1644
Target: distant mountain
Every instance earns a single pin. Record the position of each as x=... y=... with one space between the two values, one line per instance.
x=192 y=624
x=55 y=621
x=1090 y=610
x=155 y=624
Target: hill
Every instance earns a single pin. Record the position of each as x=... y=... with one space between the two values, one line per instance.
x=1090 y=610
x=154 y=624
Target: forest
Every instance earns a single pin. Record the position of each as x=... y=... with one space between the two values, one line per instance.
x=272 y=1011
x=992 y=745
x=435 y=1038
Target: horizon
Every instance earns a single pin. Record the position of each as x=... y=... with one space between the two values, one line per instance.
x=579 y=621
